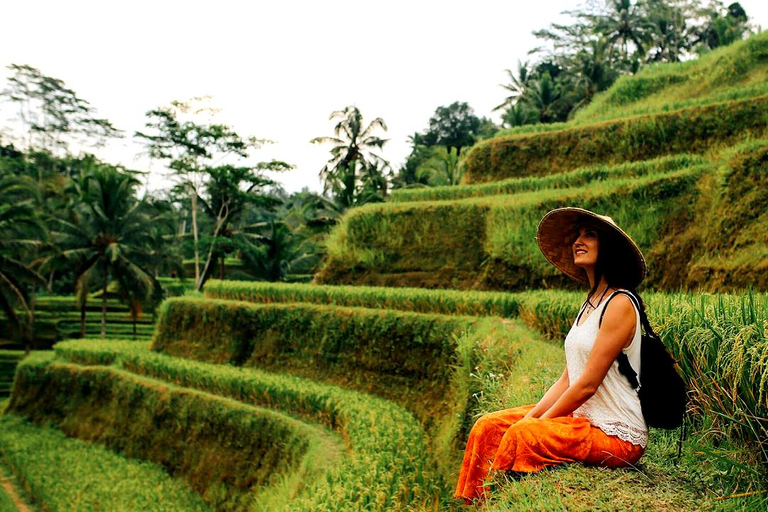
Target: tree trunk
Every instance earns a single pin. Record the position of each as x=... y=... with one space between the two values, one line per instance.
x=104 y=305
x=194 y=237
x=82 y=318
x=220 y=221
x=30 y=329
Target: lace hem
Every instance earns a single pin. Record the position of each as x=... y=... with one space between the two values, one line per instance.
x=624 y=432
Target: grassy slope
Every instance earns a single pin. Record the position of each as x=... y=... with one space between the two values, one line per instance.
x=489 y=242
x=734 y=72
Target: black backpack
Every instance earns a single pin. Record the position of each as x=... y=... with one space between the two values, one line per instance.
x=661 y=390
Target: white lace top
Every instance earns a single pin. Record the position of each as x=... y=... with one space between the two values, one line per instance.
x=615 y=407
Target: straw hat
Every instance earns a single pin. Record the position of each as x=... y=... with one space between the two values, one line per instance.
x=555 y=236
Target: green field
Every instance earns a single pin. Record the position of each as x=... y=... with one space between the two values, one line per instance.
x=357 y=392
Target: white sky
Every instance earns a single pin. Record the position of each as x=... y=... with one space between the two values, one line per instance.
x=278 y=69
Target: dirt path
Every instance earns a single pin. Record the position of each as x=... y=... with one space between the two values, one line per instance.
x=10 y=490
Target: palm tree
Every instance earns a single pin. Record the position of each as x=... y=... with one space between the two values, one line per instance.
x=591 y=72
x=20 y=230
x=623 y=26
x=104 y=236
x=545 y=95
x=351 y=154
x=516 y=87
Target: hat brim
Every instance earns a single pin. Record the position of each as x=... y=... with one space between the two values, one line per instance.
x=555 y=236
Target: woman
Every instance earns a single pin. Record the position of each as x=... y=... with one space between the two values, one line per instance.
x=591 y=414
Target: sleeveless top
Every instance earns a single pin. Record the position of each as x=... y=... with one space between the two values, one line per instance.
x=615 y=407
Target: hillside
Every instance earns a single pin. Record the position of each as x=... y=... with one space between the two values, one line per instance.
x=272 y=396
x=676 y=155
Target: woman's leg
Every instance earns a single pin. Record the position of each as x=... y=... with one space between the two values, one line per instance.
x=482 y=445
x=532 y=444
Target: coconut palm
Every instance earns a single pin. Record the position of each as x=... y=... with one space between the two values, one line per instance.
x=352 y=154
x=104 y=236
x=21 y=233
x=625 y=26
x=516 y=87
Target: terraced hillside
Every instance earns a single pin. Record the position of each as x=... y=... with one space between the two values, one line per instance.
x=303 y=397
x=677 y=155
x=371 y=404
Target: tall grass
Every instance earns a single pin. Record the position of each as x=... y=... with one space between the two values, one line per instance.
x=69 y=474
x=489 y=242
x=389 y=466
x=224 y=449
x=721 y=344
x=570 y=179
x=418 y=300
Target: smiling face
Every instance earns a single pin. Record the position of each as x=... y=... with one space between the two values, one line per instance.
x=586 y=246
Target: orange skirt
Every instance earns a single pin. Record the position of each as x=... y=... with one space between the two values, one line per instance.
x=503 y=441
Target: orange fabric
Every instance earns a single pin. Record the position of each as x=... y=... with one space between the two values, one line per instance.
x=503 y=441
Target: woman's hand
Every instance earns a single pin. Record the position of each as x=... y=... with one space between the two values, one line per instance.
x=616 y=332
x=551 y=396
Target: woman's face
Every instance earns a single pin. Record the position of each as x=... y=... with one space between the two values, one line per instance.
x=585 y=247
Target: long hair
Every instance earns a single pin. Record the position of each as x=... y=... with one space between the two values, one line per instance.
x=611 y=266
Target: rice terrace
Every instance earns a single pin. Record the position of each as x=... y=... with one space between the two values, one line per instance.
x=230 y=346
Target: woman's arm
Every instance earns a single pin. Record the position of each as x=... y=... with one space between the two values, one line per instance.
x=551 y=396
x=616 y=331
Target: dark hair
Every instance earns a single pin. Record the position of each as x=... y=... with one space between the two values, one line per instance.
x=610 y=266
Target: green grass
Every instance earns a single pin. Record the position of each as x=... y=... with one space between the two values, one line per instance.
x=419 y=300
x=730 y=73
x=697 y=130
x=226 y=450
x=68 y=474
x=570 y=179
x=402 y=356
x=489 y=242
x=389 y=466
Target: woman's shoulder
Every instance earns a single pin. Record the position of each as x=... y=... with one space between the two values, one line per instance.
x=619 y=305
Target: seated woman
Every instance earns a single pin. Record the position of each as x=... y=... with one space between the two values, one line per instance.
x=591 y=414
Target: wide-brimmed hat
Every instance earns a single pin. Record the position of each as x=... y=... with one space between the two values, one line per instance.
x=556 y=234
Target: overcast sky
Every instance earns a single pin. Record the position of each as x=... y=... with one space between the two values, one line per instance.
x=278 y=69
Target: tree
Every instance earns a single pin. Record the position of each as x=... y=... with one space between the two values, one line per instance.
x=104 y=236
x=724 y=25
x=443 y=168
x=453 y=126
x=191 y=150
x=51 y=114
x=354 y=174
x=229 y=190
x=20 y=230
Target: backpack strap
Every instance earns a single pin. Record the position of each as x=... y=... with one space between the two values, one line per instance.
x=625 y=368
x=614 y=294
